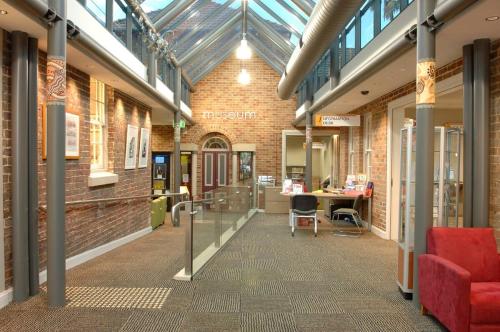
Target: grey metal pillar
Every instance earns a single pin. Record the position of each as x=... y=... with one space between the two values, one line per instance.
x=426 y=98
x=56 y=133
x=468 y=118
x=33 y=165
x=481 y=132
x=177 y=129
x=152 y=68
x=20 y=165
x=309 y=139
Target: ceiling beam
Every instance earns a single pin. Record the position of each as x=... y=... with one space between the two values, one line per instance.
x=278 y=18
x=304 y=6
x=211 y=38
x=292 y=11
x=211 y=65
x=168 y=14
x=277 y=67
x=285 y=45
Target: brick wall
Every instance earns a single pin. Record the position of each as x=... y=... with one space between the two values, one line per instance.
x=219 y=91
x=91 y=225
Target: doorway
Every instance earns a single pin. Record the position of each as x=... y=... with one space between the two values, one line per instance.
x=215 y=170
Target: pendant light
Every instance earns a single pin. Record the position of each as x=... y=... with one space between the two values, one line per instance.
x=243 y=52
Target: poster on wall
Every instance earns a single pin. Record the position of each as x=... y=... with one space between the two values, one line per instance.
x=131 y=147
x=144 y=148
x=72 y=135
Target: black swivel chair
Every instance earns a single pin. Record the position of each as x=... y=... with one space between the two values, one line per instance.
x=304 y=206
x=354 y=213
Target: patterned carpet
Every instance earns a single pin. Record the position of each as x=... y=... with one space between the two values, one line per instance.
x=263 y=280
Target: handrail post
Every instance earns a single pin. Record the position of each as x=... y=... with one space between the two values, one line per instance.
x=188 y=255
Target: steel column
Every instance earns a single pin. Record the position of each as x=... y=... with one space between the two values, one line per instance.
x=33 y=165
x=20 y=165
x=152 y=68
x=309 y=139
x=481 y=136
x=56 y=133
x=109 y=15
x=426 y=94
x=468 y=118
x=177 y=130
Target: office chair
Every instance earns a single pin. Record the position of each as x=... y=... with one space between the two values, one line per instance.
x=304 y=206
x=354 y=213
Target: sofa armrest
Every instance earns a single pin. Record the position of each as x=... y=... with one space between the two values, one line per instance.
x=445 y=291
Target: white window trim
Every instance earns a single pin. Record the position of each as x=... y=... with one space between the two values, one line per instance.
x=104 y=169
x=102 y=178
x=350 y=148
x=367 y=150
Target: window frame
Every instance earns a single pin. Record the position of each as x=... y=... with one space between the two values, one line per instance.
x=103 y=166
x=350 y=152
x=367 y=145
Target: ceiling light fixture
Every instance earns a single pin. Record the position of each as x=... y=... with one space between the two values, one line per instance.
x=243 y=52
x=3 y=12
x=492 y=18
x=244 y=77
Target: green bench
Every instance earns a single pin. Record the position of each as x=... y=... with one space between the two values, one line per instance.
x=158 y=209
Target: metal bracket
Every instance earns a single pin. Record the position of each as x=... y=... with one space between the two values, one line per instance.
x=411 y=34
x=72 y=30
x=432 y=23
x=51 y=17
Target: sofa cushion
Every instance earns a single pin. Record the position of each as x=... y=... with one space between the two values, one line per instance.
x=474 y=249
x=485 y=302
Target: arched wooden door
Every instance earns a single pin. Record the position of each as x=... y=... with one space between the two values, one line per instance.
x=215 y=164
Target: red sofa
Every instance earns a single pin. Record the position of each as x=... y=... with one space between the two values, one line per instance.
x=459 y=279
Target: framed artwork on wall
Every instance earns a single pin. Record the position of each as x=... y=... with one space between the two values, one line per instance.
x=72 y=134
x=144 y=148
x=131 y=147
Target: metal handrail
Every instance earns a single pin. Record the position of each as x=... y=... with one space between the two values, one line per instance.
x=112 y=199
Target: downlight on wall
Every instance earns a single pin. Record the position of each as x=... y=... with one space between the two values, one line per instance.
x=244 y=77
x=492 y=18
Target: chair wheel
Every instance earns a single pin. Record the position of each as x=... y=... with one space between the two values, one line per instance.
x=293 y=234
x=315 y=235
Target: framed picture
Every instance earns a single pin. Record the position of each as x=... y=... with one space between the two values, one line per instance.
x=144 y=148
x=131 y=147
x=72 y=134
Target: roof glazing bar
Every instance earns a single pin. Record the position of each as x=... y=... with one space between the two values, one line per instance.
x=168 y=14
x=278 y=18
x=195 y=66
x=208 y=40
x=277 y=67
x=304 y=6
x=211 y=66
x=258 y=44
x=275 y=37
x=204 y=22
x=292 y=11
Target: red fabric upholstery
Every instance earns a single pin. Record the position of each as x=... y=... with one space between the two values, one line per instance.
x=474 y=249
x=445 y=291
x=485 y=303
x=459 y=279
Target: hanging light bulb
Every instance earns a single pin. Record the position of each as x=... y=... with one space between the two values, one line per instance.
x=244 y=52
x=244 y=77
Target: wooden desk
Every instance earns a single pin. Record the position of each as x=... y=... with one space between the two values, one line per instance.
x=350 y=195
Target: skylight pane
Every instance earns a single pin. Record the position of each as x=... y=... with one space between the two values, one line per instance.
x=285 y=14
x=154 y=7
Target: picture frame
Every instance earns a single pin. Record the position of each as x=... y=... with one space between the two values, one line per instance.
x=72 y=140
x=144 y=148
x=131 y=147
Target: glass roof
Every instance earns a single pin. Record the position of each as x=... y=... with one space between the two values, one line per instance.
x=202 y=33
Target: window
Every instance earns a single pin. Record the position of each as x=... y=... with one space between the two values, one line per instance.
x=97 y=125
x=367 y=143
x=367 y=25
x=245 y=159
x=350 y=42
x=350 y=148
x=120 y=21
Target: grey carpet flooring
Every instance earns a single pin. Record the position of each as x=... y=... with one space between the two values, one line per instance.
x=262 y=280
